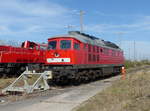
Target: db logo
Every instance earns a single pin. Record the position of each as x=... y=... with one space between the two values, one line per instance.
x=56 y=54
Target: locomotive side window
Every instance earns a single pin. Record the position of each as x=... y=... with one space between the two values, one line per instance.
x=93 y=48
x=106 y=51
x=76 y=46
x=65 y=44
x=84 y=46
x=117 y=53
x=89 y=48
x=94 y=58
x=101 y=50
x=97 y=57
x=113 y=53
x=89 y=57
x=52 y=45
x=97 y=49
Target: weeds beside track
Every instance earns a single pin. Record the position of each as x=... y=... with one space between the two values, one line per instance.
x=131 y=94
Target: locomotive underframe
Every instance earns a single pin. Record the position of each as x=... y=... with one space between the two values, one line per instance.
x=13 y=69
x=81 y=73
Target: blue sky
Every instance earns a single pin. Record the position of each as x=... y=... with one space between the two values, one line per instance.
x=36 y=20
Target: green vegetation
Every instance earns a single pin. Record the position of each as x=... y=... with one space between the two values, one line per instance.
x=131 y=64
x=132 y=94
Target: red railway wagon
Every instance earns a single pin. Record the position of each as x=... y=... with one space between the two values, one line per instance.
x=15 y=59
x=79 y=56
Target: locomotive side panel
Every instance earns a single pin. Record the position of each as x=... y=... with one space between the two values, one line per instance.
x=104 y=56
x=80 y=53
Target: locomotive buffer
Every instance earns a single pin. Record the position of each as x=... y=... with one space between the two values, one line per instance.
x=29 y=82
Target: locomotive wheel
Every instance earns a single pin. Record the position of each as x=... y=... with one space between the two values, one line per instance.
x=76 y=77
x=60 y=77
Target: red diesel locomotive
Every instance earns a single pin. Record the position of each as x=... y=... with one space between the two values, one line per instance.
x=80 y=57
x=75 y=57
x=13 y=60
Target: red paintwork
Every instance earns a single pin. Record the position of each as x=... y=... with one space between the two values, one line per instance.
x=24 y=54
x=81 y=56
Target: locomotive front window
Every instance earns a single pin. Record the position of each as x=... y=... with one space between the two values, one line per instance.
x=52 y=45
x=76 y=46
x=65 y=44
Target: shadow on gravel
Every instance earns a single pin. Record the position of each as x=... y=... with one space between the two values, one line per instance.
x=75 y=83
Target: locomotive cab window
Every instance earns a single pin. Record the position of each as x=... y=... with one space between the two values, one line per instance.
x=52 y=45
x=65 y=44
x=89 y=48
x=101 y=50
x=76 y=46
x=84 y=46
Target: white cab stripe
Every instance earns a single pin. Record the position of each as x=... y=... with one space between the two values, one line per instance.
x=50 y=60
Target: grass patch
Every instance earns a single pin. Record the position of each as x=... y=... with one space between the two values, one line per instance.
x=132 y=94
x=131 y=64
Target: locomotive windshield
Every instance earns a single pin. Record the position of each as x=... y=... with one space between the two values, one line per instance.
x=65 y=44
x=52 y=45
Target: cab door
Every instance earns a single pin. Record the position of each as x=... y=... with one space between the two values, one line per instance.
x=78 y=57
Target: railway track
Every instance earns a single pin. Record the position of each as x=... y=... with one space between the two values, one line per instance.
x=54 y=90
x=58 y=96
x=5 y=99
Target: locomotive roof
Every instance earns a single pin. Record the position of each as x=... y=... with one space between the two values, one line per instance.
x=89 y=39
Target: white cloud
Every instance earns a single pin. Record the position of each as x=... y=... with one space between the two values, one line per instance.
x=142 y=24
x=136 y=30
x=36 y=8
x=20 y=17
